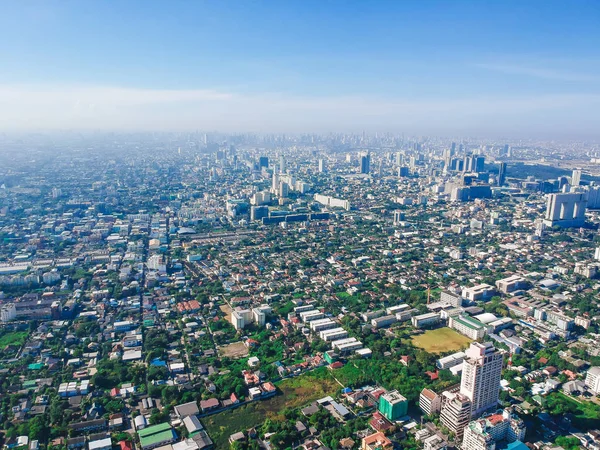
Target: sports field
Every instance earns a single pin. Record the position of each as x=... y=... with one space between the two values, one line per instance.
x=441 y=340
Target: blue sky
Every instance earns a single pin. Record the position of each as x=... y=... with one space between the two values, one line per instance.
x=424 y=67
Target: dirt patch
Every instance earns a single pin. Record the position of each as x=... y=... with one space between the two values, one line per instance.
x=235 y=350
x=226 y=309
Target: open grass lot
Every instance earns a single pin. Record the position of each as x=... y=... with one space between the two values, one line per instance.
x=13 y=338
x=441 y=340
x=294 y=392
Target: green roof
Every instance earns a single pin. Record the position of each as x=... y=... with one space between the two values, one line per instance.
x=163 y=436
x=36 y=366
x=470 y=322
x=154 y=429
x=156 y=434
x=29 y=383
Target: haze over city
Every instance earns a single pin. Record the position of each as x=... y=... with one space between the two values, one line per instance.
x=494 y=69
x=299 y=225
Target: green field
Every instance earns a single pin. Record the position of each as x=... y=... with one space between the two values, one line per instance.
x=294 y=393
x=13 y=338
x=587 y=414
x=441 y=340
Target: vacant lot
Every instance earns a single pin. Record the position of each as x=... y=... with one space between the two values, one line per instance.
x=13 y=338
x=235 y=350
x=441 y=340
x=226 y=309
x=294 y=392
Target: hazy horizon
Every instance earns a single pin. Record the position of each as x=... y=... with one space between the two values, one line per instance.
x=460 y=68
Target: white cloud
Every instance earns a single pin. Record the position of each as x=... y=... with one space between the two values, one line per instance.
x=115 y=108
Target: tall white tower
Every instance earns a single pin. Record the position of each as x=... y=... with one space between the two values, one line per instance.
x=480 y=381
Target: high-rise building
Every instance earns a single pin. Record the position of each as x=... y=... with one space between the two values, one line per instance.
x=403 y=171
x=456 y=412
x=502 y=174
x=483 y=434
x=479 y=164
x=592 y=379
x=321 y=165
x=258 y=212
x=399 y=158
x=566 y=210
x=275 y=182
x=399 y=217
x=282 y=164
x=284 y=189
x=562 y=182
x=480 y=380
x=263 y=161
x=393 y=405
x=576 y=177
x=365 y=163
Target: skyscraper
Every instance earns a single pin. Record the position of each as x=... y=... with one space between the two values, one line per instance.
x=365 y=163
x=502 y=174
x=480 y=380
x=566 y=210
x=479 y=163
x=282 y=164
x=263 y=161
x=321 y=165
x=576 y=177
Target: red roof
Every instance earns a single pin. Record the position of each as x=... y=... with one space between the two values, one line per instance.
x=336 y=365
x=378 y=393
x=495 y=419
x=432 y=375
x=125 y=445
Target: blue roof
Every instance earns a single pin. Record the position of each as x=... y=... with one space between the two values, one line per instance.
x=517 y=445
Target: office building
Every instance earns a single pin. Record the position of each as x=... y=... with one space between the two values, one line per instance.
x=502 y=174
x=479 y=164
x=403 y=171
x=393 y=405
x=284 y=190
x=576 y=177
x=399 y=217
x=263 y=161
x=321 y=165
x=566 y=210
x=365 y=163
x=592 y=379
x=282 y=164
x=480 y=380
